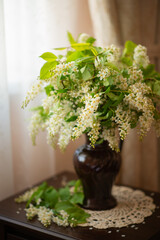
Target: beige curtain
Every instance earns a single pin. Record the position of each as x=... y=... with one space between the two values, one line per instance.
x=116 y=21
x=38 y=26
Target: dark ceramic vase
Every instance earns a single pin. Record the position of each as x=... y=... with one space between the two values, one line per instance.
x=97 y=168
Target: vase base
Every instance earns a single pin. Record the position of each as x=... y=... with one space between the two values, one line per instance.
x=91 y=204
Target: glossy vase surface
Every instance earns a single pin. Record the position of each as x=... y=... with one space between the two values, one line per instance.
x=97 y=168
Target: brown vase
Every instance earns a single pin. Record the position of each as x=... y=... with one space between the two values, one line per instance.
x=97 y=168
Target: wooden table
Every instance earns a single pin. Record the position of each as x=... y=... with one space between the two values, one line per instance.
x=15 y=226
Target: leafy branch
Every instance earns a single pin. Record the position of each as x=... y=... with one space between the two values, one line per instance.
x=68 y=199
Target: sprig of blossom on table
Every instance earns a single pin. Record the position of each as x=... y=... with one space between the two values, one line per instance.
x=60 y=206
x=103 y=92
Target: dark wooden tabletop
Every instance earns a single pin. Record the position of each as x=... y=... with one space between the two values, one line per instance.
x=12 y=215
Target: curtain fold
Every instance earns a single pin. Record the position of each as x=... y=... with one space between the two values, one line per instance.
x=138 y=21
x=6 y=166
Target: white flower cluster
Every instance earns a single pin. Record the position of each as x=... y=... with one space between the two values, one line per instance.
x=46 y=216
x=49 y=102
x=79 y=92
x=122 y=119
x=26 y=196
x=94 y=133
x=62 y=220
x=86 y=118
x=36 y=125
x=104 y=73
x=65 y=69
x=85 y=86
x=140 y=56
x=138 y=100
x=36 y=88
x=135 y=75
x=83 y=37
x=65 y=134
x=56 y=125
x=113 y=53
x=31 y=212
x=112 y=136
x=145 y=123
x=121 y=82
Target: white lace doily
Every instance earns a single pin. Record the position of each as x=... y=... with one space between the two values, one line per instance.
x=133 y=206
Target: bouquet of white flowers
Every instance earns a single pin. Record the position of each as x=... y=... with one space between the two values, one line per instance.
x=103 y=92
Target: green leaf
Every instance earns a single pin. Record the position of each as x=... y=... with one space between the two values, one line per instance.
x=129 y=47
x=39 y=108
x=39 y=194
x=48 y=56
x=70 y=38
x=63 y=205
x=119 y=99
x=31 y=198
x=88 y=129
x=87 y=72
x=128 y=61
x=64 y=193
x=81 y=46
x=94 y=51
x=78 y=214
x=51 y=197
x=133 y=124
x=99 y=50
x=108 y=90
x=156 y=87
x=64 y=90
x=60 y=48
x=83 y=69
x=78 y=186
x=71 y=183
x=106 y=82
x=104 y=109
x=107 y=104
x=156 y=115
x=149 y=71
x=86 y=59
x=86 y=75
x=71 y=119
x=45 y=70
x=77 y=198
x=125 y=73
x=91 y=40
x=127 y=56
x=112 y=66
x=107 y=124
x=41 y=188
x=100 y=141
x=74 y=56
x=150 y=83
x=108 y=115
x=49 y=89
x=112 y=96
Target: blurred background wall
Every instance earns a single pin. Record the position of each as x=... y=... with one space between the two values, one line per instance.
x=27 y=29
